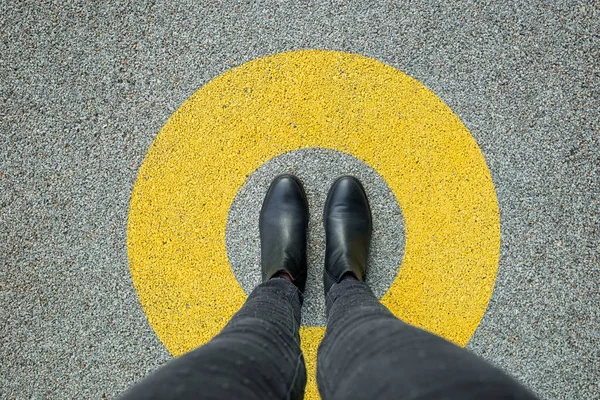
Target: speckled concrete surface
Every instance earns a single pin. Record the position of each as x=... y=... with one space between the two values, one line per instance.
x=85 y=87
x=308 y=99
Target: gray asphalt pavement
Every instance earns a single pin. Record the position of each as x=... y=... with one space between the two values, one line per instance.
x=86 y=86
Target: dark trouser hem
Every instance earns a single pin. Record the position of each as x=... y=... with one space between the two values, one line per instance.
x=256 y=356
x=368 y=353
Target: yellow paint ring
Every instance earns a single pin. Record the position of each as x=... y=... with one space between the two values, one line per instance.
x=328 y=99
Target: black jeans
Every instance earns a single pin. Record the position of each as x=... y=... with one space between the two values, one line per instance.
x=367 y=353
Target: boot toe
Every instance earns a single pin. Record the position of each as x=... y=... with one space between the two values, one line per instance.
x=283 y=224
x=348 y=228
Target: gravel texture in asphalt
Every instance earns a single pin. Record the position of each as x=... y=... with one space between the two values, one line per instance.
x=86 y=86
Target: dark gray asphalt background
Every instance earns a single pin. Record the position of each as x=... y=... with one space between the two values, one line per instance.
x=85 y=87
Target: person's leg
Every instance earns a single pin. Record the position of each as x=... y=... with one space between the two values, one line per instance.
x=368 y=353
x=256 y=356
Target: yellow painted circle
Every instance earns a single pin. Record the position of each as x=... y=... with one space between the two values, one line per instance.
x=300 y=99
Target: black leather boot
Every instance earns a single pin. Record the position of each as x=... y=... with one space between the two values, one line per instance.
x=348 y=228
x=283 y=225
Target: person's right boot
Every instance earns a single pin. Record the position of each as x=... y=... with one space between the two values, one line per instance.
x=348 y=227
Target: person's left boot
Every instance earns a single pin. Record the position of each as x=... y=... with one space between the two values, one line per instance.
x=283 y=225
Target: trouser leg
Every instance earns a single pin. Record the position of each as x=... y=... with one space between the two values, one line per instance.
x=368 y=353
x=256 y=356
